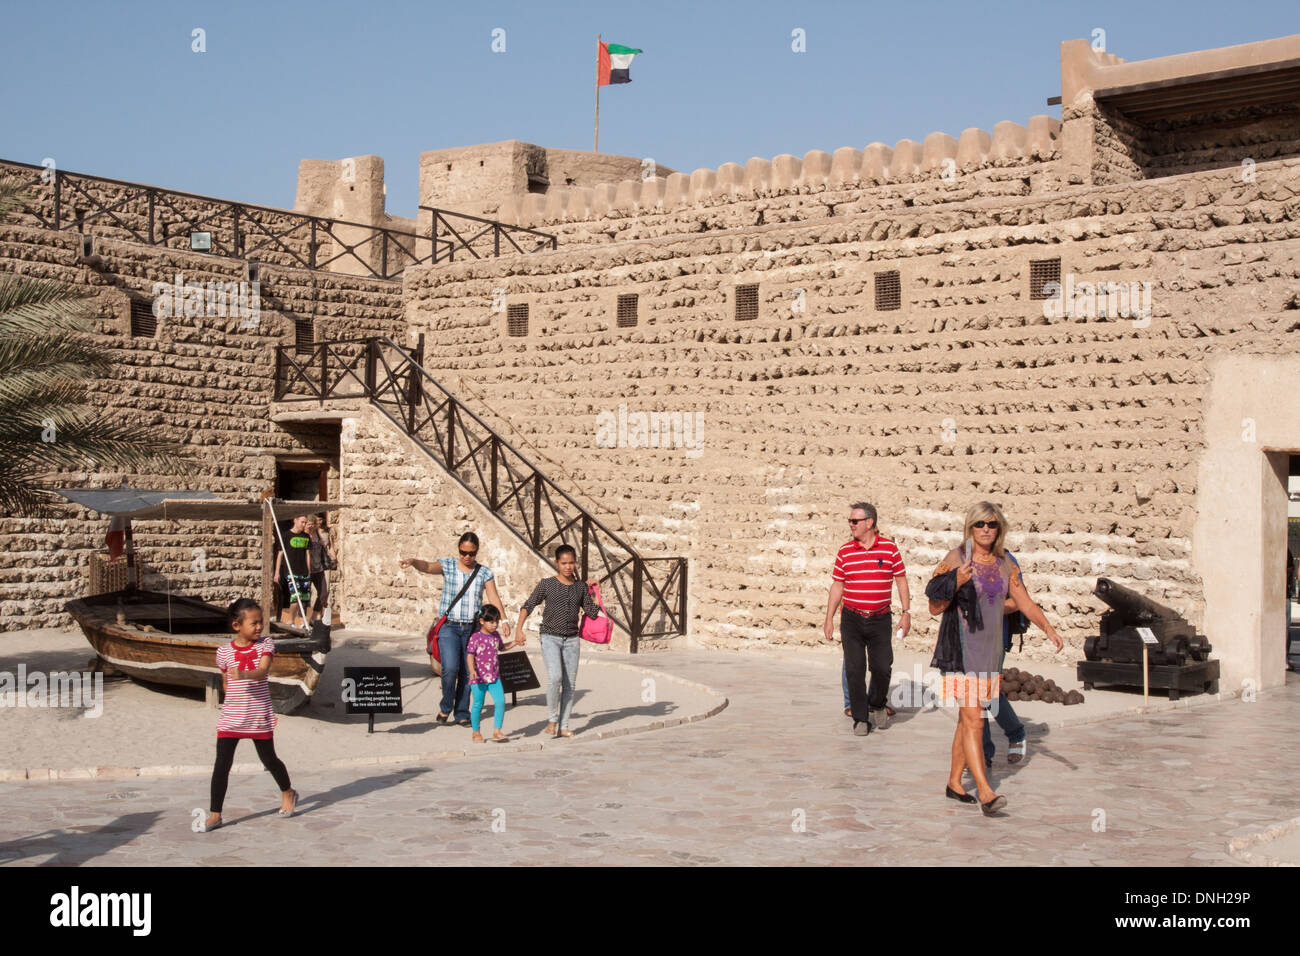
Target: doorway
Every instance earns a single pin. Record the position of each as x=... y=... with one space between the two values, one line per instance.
x=300 y=479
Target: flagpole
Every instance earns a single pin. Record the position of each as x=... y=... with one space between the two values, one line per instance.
x=595 y=142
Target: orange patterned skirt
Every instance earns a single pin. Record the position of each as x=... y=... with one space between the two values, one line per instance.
x=971 y=690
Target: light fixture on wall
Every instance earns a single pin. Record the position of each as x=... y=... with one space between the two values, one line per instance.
x=200 y=242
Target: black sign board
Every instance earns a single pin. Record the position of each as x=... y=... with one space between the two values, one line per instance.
x=517 y=673
x=372 y=690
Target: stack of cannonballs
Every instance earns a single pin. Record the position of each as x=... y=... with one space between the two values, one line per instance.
x=1022 y=685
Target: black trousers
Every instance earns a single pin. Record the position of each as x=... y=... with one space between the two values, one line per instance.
x=867 y=640
x=226 y=758
x=322 y=590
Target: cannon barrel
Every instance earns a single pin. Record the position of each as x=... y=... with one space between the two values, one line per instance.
x=1131 y=607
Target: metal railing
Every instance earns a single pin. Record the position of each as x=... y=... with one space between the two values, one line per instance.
x=444 y=223
x=646 y=595
x=152 y=216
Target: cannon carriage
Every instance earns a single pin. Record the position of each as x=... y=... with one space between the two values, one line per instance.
x=1179 y=660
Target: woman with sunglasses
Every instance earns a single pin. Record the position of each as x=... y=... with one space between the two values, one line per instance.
x=982 y=559
x=453 y=638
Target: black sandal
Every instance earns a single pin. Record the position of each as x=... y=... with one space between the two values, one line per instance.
x=443 y=718
x=957 y=795
x=993 y=806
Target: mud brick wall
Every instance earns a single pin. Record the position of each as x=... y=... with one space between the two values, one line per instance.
x=1012 y=160
x=204 y=382
x=1124 y=150
x=401 y=504
x=1087 y=430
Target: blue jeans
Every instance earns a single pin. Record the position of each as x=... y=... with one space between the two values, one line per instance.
x=560 y=657
x=477 y=693
x=453 y=639
x=1010 y=724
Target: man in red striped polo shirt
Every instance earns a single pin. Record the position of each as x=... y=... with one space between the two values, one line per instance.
x=866 y=570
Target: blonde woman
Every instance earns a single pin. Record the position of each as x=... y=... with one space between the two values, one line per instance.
x=974 y=678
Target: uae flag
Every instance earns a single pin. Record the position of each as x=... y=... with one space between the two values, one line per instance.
x=613 y=63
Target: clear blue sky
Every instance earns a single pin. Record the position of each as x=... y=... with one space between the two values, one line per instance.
x=114 y=89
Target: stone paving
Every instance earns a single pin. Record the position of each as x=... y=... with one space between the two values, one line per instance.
x=774 y=778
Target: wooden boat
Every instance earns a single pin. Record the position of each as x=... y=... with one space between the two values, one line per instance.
x=172 y=638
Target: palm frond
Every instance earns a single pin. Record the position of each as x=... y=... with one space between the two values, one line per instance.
x=39 y=306
x=87 y=440
x=45 y=365
x=12 y=191
x=47 y=358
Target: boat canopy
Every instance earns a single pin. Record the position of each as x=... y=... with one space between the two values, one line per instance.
x=143 y=504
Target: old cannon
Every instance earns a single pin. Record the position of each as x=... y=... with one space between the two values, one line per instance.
x=1179 y=658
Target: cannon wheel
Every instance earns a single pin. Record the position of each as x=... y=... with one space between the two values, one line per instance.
x=1087 y=685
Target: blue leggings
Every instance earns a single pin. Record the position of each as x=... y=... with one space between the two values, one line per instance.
x=477 y=692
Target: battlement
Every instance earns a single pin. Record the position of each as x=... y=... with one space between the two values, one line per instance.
x=941 y=157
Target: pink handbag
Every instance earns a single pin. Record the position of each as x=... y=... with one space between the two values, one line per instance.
x=598 y=630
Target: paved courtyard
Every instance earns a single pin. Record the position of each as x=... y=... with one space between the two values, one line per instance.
x=775 y=777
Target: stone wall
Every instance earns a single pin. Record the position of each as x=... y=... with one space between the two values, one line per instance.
x=478 y=179
x=1012 y=160
x=205 y=382
x=401 y=504
x=1087 y=429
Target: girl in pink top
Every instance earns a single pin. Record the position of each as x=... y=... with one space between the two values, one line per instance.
x=246 y=710
x=485 y=672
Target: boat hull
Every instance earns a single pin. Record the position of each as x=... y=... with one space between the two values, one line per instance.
x=126 y=631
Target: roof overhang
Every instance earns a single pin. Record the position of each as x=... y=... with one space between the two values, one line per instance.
x=1235 y=88
x=146 y=505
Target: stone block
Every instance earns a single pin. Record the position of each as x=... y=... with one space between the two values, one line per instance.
x=1042 y=135
x=785 y=172
x=938 y=147
x=875 y=162
x=973 y=148
x=846 y=166
x=816 y=168
x=1010 y=141
x=758 y=176
x=906 y=162
x=703 y=182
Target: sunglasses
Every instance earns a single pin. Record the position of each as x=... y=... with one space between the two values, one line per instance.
x=468 y=554
x=858 y=520
x=991 y=525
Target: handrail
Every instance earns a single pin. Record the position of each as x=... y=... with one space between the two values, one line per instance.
x=443 y=217
x=395 y=382
x=240 y=222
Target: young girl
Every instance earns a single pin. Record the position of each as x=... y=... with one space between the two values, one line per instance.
x=484 y=672
x=247 y=711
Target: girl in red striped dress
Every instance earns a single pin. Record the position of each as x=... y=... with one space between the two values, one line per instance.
x=246 y=711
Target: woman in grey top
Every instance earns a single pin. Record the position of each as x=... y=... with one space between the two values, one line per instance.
x=566 y=598
x=982 y=558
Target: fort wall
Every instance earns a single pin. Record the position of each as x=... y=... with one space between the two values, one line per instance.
x=203 y=381
x=1088 y=429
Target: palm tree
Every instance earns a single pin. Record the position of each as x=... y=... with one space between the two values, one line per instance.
x=46 y=359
